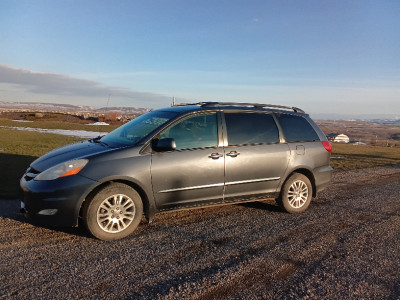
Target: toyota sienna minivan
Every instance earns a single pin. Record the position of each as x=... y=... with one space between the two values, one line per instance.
x=180 y=157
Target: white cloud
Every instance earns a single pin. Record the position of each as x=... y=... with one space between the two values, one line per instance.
x=26 y=85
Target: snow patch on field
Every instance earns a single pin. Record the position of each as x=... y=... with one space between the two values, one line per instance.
x=77 y=133
x=99 y=123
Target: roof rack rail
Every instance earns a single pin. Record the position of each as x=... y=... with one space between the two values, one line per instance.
x=257 y=105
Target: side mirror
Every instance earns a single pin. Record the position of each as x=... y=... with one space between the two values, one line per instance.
x=167 y=144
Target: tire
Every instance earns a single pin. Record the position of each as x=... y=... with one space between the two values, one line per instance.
x=113 y=213
x=296 y=194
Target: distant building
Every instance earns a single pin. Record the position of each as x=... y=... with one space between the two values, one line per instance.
x=338 y=138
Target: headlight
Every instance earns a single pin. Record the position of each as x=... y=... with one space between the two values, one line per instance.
x=68 y=168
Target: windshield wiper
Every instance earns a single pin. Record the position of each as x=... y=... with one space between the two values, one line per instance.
x=98 y=140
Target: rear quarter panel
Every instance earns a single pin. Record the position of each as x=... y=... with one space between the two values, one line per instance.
x=311 y=156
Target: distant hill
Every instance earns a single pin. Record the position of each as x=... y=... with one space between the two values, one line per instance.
x=55 y=107
x=44 y=106
x=386 y=121
x=378 y=118
x=123 y=110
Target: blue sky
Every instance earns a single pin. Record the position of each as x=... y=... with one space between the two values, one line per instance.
x=323 y=56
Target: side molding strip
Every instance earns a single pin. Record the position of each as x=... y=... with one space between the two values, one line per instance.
x=218 y=184
x=252 y=181
x=193 y=188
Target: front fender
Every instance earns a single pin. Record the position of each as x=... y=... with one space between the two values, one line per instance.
x=143 y=188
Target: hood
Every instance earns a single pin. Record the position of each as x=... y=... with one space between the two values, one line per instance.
x=69 y=152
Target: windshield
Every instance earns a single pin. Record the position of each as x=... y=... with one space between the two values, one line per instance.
x=134 y=131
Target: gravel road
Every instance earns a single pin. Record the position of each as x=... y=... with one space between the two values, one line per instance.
x=347 y=245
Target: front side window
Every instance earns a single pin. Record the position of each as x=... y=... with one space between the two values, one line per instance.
x=199 y=131
x=297 y=128
x=134 y=131
x=251 y=128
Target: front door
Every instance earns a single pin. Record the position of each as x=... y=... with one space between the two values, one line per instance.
x=194 y=172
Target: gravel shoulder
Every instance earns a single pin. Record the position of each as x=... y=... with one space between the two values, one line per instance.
x=347 y=245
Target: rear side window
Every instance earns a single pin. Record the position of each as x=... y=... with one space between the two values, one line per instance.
x=250 y=128
x=297 y=129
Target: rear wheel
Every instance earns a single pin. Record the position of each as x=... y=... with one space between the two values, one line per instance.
x=114 y=212
x=296 y=194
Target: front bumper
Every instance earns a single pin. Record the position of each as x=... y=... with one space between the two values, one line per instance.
x=55 y=202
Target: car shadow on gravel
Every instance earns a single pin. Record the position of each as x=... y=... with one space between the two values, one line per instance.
x=10 y=209
x=263 y=205
x=77 y=231
x=12 y=167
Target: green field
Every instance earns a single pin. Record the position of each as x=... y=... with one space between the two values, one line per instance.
x=19 y=148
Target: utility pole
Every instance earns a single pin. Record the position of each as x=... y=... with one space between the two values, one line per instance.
x=108 y=101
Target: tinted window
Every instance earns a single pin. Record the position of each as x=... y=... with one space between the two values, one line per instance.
x=297 y=129
x=198 y=131
x=251 y=128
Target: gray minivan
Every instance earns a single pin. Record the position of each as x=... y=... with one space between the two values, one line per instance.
x=180 y=157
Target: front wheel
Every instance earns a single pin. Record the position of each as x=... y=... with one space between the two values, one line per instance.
x=113 y=213
x=296 y=194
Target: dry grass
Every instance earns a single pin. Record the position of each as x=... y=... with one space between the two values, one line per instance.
x=349 y=157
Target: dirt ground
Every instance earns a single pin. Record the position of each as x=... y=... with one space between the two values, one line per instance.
x=346 y=246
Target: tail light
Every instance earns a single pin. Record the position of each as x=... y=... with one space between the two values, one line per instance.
x=327 y=145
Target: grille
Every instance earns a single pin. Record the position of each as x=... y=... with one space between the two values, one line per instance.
x=30 y=173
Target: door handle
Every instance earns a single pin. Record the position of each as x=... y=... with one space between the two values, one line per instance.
x=233 y=153
x=215 y=155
